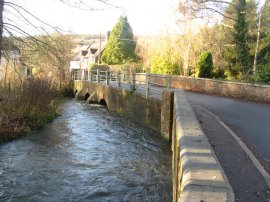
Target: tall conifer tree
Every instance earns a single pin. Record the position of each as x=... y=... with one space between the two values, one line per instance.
x=241 y=33
x=121 y=45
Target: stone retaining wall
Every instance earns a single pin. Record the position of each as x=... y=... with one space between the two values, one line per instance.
x=155 y=113
x=224 y=88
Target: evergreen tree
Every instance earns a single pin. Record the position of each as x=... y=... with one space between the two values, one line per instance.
x=121 y=46
x=239 y=31
x=264 y=48
x=205 y=65
x=240 y=36
x=265 y=34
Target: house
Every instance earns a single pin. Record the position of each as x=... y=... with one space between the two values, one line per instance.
x=11 y=67
x=86 y=56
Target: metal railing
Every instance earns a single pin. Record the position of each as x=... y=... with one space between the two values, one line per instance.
x=145 y=81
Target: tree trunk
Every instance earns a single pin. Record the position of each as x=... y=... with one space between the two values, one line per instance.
x=1 y=25
x=60 y=77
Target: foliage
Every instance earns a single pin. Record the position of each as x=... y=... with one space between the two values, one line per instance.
x=160 y=52
x=205 y=65
x=233 y=69
x=49 y=58
x=27 y=108
x=121 y=45
x=263 y=74
x=100 y=67
x=162 y=65
x=67 y=90
x=240 y=36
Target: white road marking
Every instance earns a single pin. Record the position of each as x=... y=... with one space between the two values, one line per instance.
x=255 y=161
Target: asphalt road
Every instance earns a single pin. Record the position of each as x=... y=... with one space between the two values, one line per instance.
x=249 y=120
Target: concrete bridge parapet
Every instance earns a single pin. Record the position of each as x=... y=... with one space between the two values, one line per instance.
x=197 y=174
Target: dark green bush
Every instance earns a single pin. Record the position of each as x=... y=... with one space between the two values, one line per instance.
x=263 y=74
x=205 y=65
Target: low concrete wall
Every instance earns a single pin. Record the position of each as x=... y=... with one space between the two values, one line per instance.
x=151 y=112
x=197 y=174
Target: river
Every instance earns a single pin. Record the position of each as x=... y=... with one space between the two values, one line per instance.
x=87 y=154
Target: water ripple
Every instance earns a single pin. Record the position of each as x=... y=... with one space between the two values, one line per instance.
x=87 y=154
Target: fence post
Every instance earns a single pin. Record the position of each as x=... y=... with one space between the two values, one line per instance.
x=107 y=78
x=110 y=76
x=147 y=85
x=89 y=74
x=91 y=79
x=133 y=81
x=81 y=76
x=98 y=76
x=124 y=77
x=169 y=81
x=118 y=79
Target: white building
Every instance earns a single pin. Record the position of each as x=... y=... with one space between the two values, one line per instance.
x=86 y=56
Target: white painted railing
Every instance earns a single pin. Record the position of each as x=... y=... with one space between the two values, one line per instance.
x=145 y=81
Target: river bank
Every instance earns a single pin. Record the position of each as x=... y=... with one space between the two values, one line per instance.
x=27 y=108
x=15 y=125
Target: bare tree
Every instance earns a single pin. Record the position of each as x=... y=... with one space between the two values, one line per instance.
x=9 y=10
x=205 y=8
x=1 y=25
x=13 y=19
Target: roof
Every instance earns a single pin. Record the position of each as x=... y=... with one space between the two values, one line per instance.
x=96 y=45
x=85 y=48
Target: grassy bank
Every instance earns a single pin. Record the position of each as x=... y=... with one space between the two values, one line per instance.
x=26 y=108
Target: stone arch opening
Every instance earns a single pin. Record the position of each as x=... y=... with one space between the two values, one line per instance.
x=103 y=102
x=86 y=96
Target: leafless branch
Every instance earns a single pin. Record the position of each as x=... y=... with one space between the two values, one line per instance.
x=199 y=8
x=17 y=7
x=77 y=4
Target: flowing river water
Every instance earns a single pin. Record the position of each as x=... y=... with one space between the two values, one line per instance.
x=87 y=154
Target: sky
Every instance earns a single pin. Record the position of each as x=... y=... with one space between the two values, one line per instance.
x=145 y=16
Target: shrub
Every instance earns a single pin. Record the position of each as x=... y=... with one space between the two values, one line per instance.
x=263 y=74
x=67 y=90
x=205 y=65
x=26 y=108
x=162 y=65
x=263 y=69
